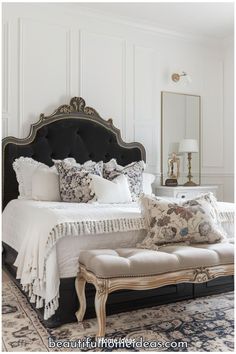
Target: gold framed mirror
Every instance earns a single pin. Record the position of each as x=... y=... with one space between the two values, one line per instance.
x=180 y=138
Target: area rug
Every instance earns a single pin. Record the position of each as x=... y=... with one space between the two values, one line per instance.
x=205 y=324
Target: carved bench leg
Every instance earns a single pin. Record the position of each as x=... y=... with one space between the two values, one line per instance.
x=100 y=307
x=80 y=290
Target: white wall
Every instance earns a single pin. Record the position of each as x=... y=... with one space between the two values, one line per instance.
x=229 y=117
x=52 y=54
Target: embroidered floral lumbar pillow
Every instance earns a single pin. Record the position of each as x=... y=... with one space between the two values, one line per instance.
x=194 y=221
x=133 y=172
x=75 y=181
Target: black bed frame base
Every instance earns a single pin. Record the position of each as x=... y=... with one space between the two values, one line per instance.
x=119 y=301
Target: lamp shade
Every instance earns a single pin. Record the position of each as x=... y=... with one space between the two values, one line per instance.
x=173 y=148
x=188 y=145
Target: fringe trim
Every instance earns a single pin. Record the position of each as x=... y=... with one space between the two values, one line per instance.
x=227 y=217
x=75 y=229
x=92 y=227
x=223 y=216
x=35 y=299
x=49 y=308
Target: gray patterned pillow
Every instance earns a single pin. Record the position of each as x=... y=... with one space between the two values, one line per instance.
x=195 y=221
x=75 y=182
x=133 y=172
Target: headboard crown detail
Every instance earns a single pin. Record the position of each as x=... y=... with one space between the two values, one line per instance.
x=73 y=130
x=77 y=105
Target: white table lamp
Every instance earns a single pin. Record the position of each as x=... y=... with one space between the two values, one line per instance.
x=189 y=146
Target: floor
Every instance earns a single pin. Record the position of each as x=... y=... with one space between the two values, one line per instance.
x=206 y=324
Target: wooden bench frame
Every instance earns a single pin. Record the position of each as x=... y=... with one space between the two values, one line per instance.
x=105 y=286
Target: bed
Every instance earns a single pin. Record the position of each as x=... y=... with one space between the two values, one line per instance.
x=77 y=131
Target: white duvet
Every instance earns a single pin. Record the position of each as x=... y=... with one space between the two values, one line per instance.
x=47 y=253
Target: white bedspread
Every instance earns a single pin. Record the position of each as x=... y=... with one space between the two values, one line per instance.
x=42 y=224
x=46 y=255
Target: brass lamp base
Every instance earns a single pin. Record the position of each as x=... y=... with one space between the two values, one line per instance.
x=190 y=184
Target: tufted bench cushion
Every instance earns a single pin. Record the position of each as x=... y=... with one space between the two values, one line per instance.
x=141 y=269
x=130 y=262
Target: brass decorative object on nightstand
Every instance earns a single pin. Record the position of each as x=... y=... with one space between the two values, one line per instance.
x=171 y=182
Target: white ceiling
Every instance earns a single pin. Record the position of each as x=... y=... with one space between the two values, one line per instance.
x=215 y=20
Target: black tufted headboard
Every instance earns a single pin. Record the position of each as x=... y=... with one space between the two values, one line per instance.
x=71 y=131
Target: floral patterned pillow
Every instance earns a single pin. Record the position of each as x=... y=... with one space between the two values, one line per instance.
x=195 y=221
x=133 y=172
x=75 y=181
x=90 y=166
x=109 y=167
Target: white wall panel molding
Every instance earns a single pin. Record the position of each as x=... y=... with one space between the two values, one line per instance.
x=51 y=54
x=21 y=76
x=81 y=61
x=145 y=93
x=225 y=185
x=68 y=64
x=129 y=90
x=80 y=64
x=228 y=95
x=5 y=68
x=37 y=64
x=103 y=75
x=124 y=91
x=213 y=116
x=4 y=127
x=218 y=174
x=145 y=132
x=11 y=78
x=139 y=26
x=77 y=14
x=145 y=104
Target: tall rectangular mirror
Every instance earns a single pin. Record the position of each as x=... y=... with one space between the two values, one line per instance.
x=180 y=138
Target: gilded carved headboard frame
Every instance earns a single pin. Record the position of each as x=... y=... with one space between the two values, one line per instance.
x=73 y=130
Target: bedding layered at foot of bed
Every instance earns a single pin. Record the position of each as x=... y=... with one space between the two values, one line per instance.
x=48 y=237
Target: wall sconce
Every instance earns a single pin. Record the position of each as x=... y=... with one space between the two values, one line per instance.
x=176 y=77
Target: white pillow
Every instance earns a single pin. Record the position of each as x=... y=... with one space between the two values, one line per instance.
x=45 y=184
x=115 y=191
x=148 y=179
x=25 y=168
x=133 y=172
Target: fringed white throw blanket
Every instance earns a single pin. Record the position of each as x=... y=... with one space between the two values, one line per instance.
x=48 y=222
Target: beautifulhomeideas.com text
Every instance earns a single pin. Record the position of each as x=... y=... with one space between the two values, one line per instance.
x=113 y=343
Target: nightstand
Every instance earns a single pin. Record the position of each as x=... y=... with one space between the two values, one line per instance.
x=182 y=192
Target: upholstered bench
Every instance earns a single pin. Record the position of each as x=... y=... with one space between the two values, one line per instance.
x=139 y=269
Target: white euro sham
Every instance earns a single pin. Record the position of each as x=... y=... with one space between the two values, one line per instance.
x=45 y=184
x=24 y=168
